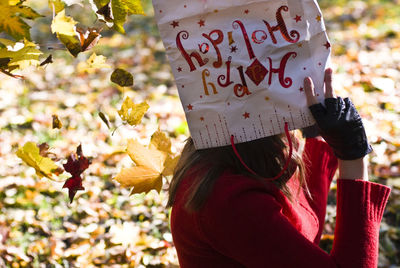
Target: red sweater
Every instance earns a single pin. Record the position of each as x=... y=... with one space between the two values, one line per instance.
x=245 y=224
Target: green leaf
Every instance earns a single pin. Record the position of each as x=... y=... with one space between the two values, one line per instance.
x=71 y=43
x=122 y=78
x=119 y=10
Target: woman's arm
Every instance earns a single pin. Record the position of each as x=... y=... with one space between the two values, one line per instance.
x=247 y=224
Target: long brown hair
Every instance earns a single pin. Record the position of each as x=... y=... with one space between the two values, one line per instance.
x=265 y=156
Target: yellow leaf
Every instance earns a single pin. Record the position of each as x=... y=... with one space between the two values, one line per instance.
x=27 y=56
x=144 y=156
x=57 y=5
x=134 y=6
x=160 y=141
x=142 y=179
x=10 y=19
x=63 y=25
x=97 y=62
x=132 y=113
x=44 y=166
x=169 y=165
x=152 y=163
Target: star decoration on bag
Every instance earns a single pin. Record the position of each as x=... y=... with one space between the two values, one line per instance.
x=297 y=18
x=175 y=24
x=201 y=23
x=246 y=115
x=190 y=107
x=234 y=49
x=327 y=45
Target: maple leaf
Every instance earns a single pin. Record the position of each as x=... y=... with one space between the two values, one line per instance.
x=76 y=165
x=56 y=5
x=152 y=163
x=97 y=61
x=26 y=56
x=120 y=10
x=63 y=25
x=30 y=154
x=11 y=19
x=132 y=113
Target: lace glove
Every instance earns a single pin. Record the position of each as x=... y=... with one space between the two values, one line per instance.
x=341 y=126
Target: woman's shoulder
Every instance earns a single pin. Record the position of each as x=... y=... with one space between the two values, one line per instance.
x=232 y=188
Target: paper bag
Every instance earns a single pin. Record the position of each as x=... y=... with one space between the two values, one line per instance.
x=239 y=65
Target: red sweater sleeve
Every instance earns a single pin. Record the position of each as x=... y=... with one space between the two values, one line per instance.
x=247 y=224
x=321 y=165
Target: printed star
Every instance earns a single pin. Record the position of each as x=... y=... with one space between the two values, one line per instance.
x=301 y=89
x=318 y=18
x=300 y=45
x=179 y=69
x=201 y=23
x=298 y=18
x=327 y=45
x=246 y=11
x=233 y=49
x=190 y=107
x=202 y=118
x=267 y=98
x=246 y=115
x=175 y=24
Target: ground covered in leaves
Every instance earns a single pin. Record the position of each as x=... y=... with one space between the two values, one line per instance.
x=104 y=226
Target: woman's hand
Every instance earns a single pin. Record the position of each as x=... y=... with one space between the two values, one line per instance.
x=341 y=126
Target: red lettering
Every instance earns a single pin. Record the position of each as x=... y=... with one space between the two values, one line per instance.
x=285 y=82
x=241 y=90
x=236 y=24
x=228 y=75
x=256 y=40
x=188 y=57
x=215 y=43
x=293 y=37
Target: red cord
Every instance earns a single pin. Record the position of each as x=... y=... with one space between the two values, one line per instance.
x=284 y=167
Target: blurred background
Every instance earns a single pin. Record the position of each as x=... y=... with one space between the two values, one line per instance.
x=106 y=227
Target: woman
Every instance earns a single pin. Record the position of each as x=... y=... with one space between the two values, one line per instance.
x=225 y=216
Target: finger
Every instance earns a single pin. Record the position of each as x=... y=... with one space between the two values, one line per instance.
x=328 y=84
x=309 y=90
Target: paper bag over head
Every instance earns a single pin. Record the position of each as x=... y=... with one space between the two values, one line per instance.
x=239 y=65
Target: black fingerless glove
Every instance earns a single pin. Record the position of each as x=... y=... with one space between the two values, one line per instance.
x=341 y=126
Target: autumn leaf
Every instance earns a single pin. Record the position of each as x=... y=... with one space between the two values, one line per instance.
x=122 y=78
x=152 y=163
x=63 y=25
x=11 y=19
x=97 y=61
x=56 y=122
x=132 y=113
x=56 y=5
x=22 y=58
x=76 y=165
x=120 y=10
x=104 y=119
x=88 y=38
x=30 y=154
